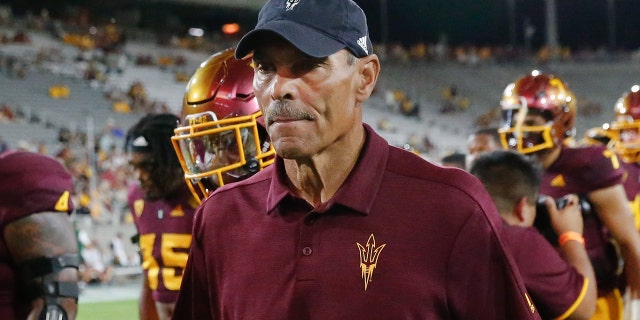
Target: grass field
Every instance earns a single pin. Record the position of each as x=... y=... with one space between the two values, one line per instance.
x=110 y=310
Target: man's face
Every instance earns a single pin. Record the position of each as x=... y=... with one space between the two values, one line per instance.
x=308 y=103
x=479 y=144
x=156 y=182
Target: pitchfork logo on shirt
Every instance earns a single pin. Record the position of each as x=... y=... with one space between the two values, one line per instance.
x=369 y=254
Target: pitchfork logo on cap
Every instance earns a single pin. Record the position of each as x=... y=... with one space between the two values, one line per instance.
x=291 y=4
x=369 y=255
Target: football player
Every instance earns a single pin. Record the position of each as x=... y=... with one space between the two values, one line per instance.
x=538 y=117
x=218 y=141
x=162 y=208
x=626 y=143
x=38 y=248
x=624 y=133
x=221 y=138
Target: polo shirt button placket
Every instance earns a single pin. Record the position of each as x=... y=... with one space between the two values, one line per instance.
x=307 y=251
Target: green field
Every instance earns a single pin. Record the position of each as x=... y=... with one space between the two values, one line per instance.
x=110 y=310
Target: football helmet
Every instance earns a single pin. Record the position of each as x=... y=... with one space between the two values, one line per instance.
x=221 y=138
x=626 y=126
x=541 y=94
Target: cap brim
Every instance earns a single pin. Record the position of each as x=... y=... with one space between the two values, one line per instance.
x=306 y=39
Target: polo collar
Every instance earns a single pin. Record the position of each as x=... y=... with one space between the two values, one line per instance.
x=358 y=191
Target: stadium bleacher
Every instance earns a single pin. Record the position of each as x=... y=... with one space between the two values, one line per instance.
x=598 y=83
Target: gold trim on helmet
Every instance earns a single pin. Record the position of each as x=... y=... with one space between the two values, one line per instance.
x=213 y=160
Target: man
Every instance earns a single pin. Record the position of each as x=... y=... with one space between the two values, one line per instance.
x=539 y=114
x=624 y=138
x=39 y=251
x=560 y=289
x=342 y=226
x=162 y=209
x=625 y=141
x=222 y=138
x=481 y=141
x=218 y=141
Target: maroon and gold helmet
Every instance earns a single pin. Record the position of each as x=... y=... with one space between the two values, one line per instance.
x=542 y=94
x=626 y=126
x=221 y=138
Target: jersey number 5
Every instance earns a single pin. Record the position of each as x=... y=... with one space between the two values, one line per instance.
x=172 y=260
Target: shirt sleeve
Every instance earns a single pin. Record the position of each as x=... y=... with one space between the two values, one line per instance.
x=554 y=285
x=494 y=289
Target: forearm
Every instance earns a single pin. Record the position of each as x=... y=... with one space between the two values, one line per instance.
x=631 y=256
x=576 y=255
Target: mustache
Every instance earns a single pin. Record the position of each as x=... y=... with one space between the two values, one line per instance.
x=285 y=109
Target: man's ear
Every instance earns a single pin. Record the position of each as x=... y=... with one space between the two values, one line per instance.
x=369 y=71
x=520 y=210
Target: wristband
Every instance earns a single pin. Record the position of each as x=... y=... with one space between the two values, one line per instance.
x=568 y=236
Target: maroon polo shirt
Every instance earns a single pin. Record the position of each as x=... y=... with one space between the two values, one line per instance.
x=581 y=171
x=401 y=239
x=554 y=285
x=164 y=227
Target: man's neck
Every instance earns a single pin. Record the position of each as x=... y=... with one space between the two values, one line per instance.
x=318 y=178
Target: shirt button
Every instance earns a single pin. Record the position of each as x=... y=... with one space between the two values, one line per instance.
x=307 y=251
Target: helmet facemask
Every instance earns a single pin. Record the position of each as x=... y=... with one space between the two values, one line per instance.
x=216 y=152
x=537 y=114
x=626 y=128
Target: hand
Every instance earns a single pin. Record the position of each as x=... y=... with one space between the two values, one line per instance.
x=568 y=218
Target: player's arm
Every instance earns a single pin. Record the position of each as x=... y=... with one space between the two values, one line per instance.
x=566 y=221
x=614 y=211
x=44 y=247
x=146 y=306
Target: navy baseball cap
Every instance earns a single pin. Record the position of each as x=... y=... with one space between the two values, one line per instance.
x=318 y=28
x=31 y=183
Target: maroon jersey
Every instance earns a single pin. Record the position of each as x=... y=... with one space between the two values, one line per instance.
x=631 y=182
x=10 y=306
x=581 y=171
x=29 y=183
x=556 y=287
x=401 y=238
x=165 y=237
